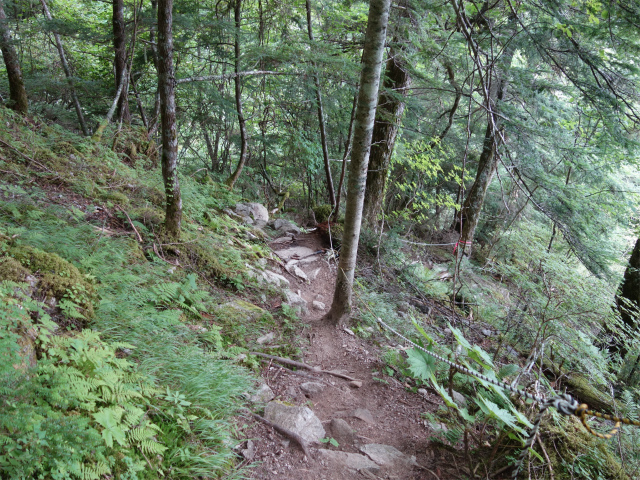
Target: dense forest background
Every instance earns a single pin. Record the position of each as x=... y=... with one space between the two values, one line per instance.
x=505 y=136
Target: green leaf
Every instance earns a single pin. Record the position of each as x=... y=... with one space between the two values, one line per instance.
x=494 y=411
x=460 y=337
x=421 y=365
x=445 y=395
x=480 y=356
x=109 y=418
x=422 y=332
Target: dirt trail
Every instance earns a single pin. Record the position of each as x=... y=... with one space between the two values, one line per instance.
x=394 y=412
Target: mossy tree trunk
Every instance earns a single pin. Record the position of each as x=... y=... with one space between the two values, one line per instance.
x=17 y=94
x=231 y=181
x=628 y=306
x=166 y=86
x=388 y=116
x=120 y=59
x=488 y=162
x=372 y=54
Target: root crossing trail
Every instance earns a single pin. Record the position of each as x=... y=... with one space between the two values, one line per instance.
x=375 y=421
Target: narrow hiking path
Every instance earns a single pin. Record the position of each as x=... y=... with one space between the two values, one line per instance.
x=367 y=415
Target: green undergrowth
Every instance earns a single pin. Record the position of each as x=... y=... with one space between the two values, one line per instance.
x=123 y=360
x=533 y=300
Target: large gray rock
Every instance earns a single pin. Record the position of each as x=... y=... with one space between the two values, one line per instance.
x=387 y=456
x=294 y=253
x=460 y=400
x=342 y=431
x=253 y=213
x=268 y=277
x=263 y=394
x=312 y=388
x=300 y=420
x=285 y=226
x=350 y=461
x=296 y=301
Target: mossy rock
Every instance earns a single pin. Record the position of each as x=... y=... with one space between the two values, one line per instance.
x=242 y=321
x=56 y=277
x=12 y=270
x=149 y=217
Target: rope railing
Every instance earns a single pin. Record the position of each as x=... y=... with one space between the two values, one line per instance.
x=564 y=403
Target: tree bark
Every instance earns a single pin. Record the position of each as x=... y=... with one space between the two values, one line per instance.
x=365 y=115
x=231 y=181
x=120 y=58
x=67 y=73
x=17 y=94
x=347 y=151
x=627 y=305
x=323 y=133
x=390 y=109
x=166 y=86
x=487 y=165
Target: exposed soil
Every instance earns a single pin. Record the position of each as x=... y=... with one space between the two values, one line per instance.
x=396 y=411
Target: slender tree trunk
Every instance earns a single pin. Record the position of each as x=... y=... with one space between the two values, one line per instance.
x=153 y=124
x=67 y=73
x=120 y=59
x=166 y=85
x=347 y=151
x=390 y=109
x=212 y=147
x=367 y=100
x=17 y=94
x=323 y=133
x=97 y=136
x=231 y=181
x=487 y=166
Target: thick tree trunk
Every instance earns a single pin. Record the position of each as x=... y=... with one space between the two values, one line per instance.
x=67 y=73
x=627 y=304
x=17 y=94
x=390 y=109
x=166 y=86
x=365 y=115
x=231 y=181
x=323 y=133
x=120 y=58
x=347 y=151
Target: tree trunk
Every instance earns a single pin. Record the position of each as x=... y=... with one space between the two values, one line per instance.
x=627 y=305
x=120 y=59
x=365 y=115
x=487 y=165
x=17 y=94
x=347 y=151
x=67 y=73
x=231 y=181
x=390 y=109
x=212 y=147
x=323 y=133
x=166 y=85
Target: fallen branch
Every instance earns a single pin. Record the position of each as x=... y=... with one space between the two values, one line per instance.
x=293 y=363
x=132 y=225
x=25 y=156
x=294 y=371
x=283 y=431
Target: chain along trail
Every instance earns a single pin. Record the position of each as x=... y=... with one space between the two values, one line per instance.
x=362 y=425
